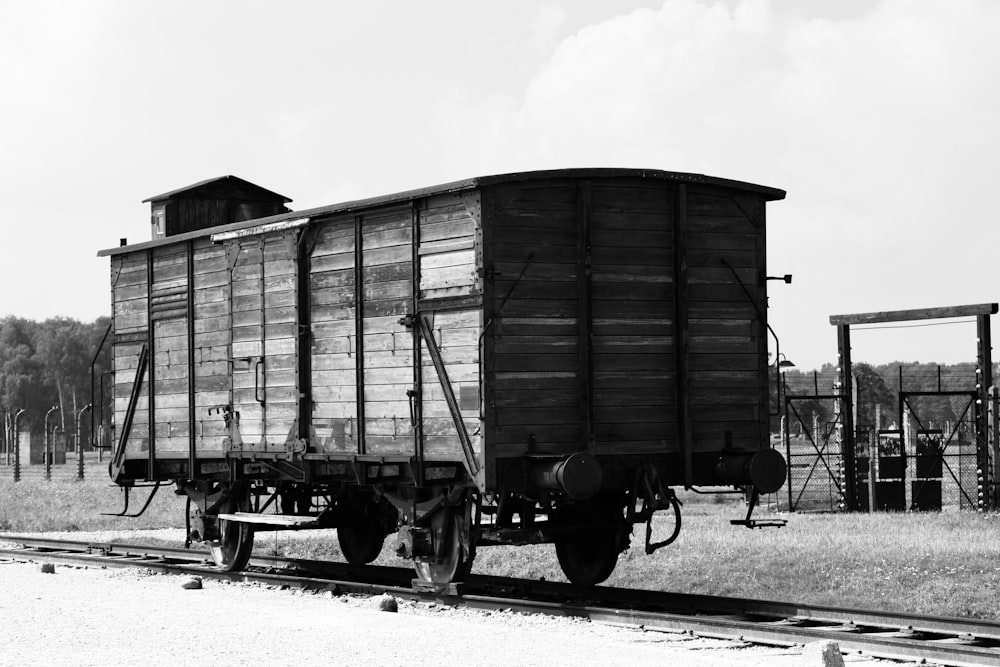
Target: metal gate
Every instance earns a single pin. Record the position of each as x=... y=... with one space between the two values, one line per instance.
x=940 y=450
x=815 y=457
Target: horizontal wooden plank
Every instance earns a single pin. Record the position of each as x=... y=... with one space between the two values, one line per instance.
x=625 y=237
x=332 y=313
x=385 y=237
x=395 y=307
x=547 y=254
x=722 y=345
x=712 y=258
x=646 y=414
x=629 y=430
x=720 y=362
x=719 y=241
x=332 y=262
x=535 y=362
x=535 y=345
x=542 y=308
x=513 y=381
x=723 y=310
x=321 y=280
x=391 y=255
x=607 y=195
x=632 y=221
x=507 y=325
x=726 y=327
x=429 y=247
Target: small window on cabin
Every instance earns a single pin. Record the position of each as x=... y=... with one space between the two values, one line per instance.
x=159 y=221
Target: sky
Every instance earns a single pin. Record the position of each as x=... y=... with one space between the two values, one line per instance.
x=881 y=119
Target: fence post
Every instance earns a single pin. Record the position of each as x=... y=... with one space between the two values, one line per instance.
x=17 y=444
x=993 y=437
x=49 y=444
x=79 y=442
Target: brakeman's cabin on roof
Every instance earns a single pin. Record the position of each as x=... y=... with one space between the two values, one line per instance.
x=217 y=201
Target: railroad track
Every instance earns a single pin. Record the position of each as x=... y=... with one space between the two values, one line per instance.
x=949 y=641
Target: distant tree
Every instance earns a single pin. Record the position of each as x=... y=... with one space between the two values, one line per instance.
x=48 y=363
x=21 y=383
x=871 y=390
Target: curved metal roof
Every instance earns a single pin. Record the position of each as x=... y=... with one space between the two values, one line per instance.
x=770 y=194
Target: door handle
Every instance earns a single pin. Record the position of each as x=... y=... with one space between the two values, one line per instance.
x=258 y=391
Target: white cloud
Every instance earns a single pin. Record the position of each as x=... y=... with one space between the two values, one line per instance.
x=883 y=128
x=545 y=26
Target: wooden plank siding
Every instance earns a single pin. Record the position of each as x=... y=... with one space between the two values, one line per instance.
x=387 y=295
x=541 y=377
x=450 y=257
x=334 y=351
x=591 y=312
x=265 y=341
x=726 y=337
x=534 y=362
x=130 y=310
x=169 y=363
x=211 y=331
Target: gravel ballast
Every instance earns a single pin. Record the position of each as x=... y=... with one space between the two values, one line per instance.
x=94 y=616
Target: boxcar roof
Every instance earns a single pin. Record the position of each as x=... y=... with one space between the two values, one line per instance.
x=214 y=183
x=456 y=186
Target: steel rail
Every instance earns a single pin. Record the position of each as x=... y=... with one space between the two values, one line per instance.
x=944 y=640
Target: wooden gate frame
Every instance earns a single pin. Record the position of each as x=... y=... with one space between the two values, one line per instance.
x=984 y=371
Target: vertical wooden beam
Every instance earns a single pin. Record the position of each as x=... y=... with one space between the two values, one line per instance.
x=359 y=332
x=261 y=395
x=303 y=380
x=763 y=416
x=487 y=337
x=984 y=381
x=847 y=415
x=681 y=335
x=232 y=257
x=192 y=445
x=151 y=384
x=417 y=397
x=584 y=316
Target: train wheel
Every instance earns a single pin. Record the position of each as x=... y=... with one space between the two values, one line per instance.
x=590 y=558
x=587 y=563
x=361 y=535
x=455 y=565
x=231 y=551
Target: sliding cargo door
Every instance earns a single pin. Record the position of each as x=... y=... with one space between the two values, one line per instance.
x=360 y=287
x=386 y=344
x=264 y=340
x=334 y=354
x=169 y=374
x=450 y=327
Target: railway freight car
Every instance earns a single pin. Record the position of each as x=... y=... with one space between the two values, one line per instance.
x=526 y=358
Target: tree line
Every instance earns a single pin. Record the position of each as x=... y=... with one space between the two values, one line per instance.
x=47 y=364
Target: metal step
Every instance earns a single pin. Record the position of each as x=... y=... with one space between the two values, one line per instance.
x=284 y=520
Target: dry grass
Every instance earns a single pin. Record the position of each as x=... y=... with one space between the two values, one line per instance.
x=34 y=506
x=940 y=563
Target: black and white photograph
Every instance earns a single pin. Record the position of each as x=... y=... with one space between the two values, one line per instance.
x=546 y=333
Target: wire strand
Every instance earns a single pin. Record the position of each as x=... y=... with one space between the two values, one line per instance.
x=911 y=326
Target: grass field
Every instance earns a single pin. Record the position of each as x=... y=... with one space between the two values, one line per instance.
x=934 y=563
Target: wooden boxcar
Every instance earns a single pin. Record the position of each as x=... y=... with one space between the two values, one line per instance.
x=530 y=357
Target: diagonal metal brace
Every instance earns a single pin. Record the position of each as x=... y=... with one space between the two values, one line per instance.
x=426 y=333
